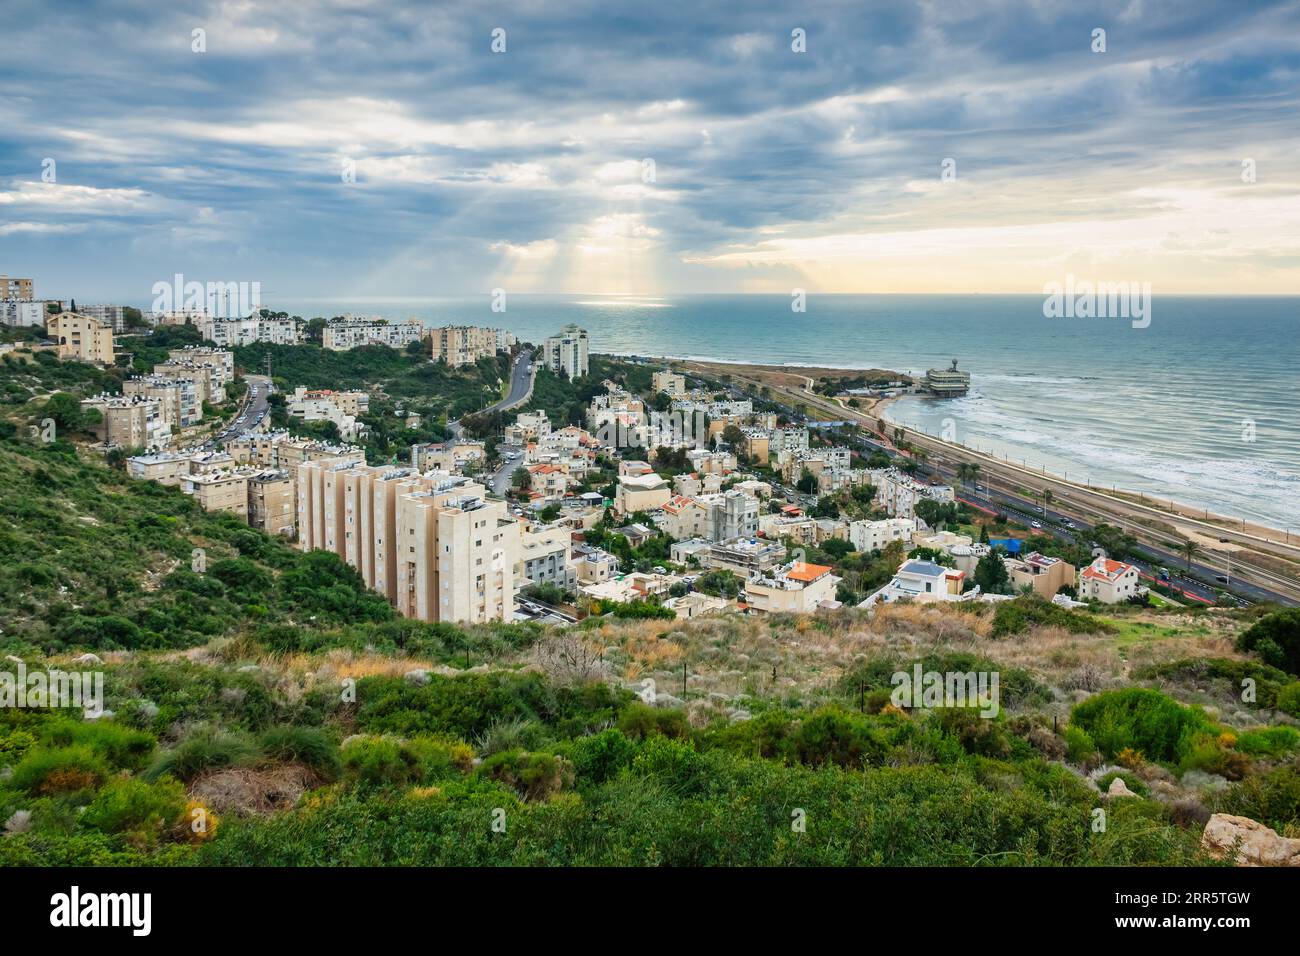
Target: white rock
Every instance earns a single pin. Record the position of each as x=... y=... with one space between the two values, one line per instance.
x=1249 y=842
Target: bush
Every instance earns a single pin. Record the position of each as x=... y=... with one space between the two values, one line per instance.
x=121 y=746
x=380 y=761
x=1272 y=798
x=59 y=770
x=1288 y=699
x=1269 y=741
x=132 y=806
x=202 y=752
x=641 y=720
x=1131 y=780
x=305 y=745
x=1276 y=639
x=1032 y=610
x=534 y=776
x=1156 y=726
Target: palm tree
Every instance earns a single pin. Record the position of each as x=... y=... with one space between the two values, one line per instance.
x=1189 y=550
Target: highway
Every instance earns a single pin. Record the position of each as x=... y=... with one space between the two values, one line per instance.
x=250 y=414
x=522 y=373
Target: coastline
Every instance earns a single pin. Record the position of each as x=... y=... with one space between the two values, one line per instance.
x=792 y=381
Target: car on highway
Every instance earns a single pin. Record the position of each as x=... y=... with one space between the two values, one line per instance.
x=1067 y=523
x=1036 y=525
x=1163 y=574
x=1222 y=579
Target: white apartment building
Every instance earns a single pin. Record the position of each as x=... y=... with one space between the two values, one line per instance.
x=566 y=353
x=23 y=313
x=875 y=535
x=340 y=335
x=341 y=408
x=275 y=330
x=898 y=492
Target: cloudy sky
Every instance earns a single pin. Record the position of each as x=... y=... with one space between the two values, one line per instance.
x=649 y=147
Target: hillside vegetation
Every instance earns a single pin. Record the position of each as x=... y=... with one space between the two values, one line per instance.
x=271 y=710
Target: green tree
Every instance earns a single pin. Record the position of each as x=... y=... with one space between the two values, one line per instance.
x=991 y=574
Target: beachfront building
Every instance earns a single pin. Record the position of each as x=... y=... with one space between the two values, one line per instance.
x=947 y=382
x=566 y=352
x=1110 y=582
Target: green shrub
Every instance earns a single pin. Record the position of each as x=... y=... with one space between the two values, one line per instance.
x=1269 y=741
x=202 y=752
x=600 y=757
x=380 y=761
x=640 y=720
x=47 y=770
x=534 y=776
x=1080 y=747
x=309 y=746
x=126 y=805
x=121 y=746
x=1276 y=639
x=1272 y=798
x=1288 y=699
x=1147 y=721
x=1032 y=610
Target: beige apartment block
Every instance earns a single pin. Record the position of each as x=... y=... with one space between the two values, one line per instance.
x=81 y=337
x=219 y=491
x=1046 y=575
x=670 y=383
x=204 y=377
x=178 y=397
x=164 y=467
x=272 y=502
x=462 y=344
x=15 y=288
x=643 y=493
x=431 y=543
x=220 y=361
x=124 y=422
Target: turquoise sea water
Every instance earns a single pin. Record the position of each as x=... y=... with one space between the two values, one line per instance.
x=1202 y=406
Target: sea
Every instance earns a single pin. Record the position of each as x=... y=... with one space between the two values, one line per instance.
x=1200 y=405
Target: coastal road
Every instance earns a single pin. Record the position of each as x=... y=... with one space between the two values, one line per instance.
x=521 y=383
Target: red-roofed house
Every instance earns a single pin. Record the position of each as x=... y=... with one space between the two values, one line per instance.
x=1109 y=582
